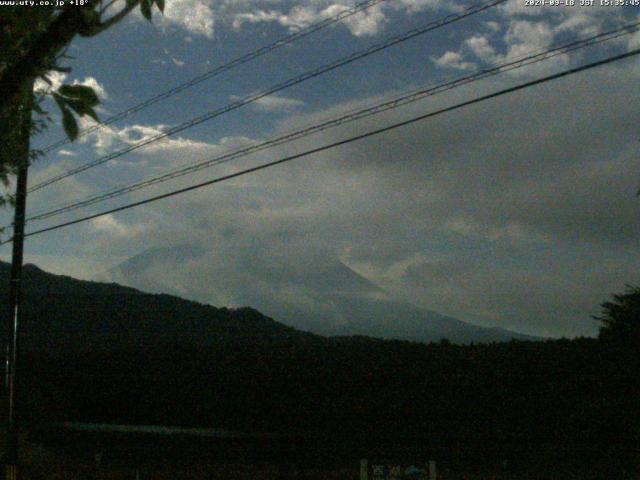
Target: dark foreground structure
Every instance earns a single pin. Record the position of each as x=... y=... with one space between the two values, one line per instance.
x=275 y=402
x=84 y=451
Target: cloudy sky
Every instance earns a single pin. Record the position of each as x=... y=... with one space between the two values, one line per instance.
x=518 y=212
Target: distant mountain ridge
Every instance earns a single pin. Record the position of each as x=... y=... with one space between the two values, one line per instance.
x=103 y=353
x=325 y=297
x=61 y=312
x=65 y=313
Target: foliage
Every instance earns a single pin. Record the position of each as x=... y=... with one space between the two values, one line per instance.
x=79 y=98
x=620 y=317
x=33 y=42
x=110 y=354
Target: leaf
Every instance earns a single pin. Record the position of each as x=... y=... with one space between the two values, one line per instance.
x=77 y=105
x=145 y=8
x=82 y=109
x=90 y=24
x=35 y=154
x=61 y=69
x=69 y=124
x=90 y=16
x=92 y=113
x=160 y=4
x=80 y=93
x=59 y=100
x=81 y=100
x=39 y=110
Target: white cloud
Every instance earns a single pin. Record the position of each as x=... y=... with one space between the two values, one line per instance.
x=494 y=221
x=521 y=39
x=531 y=29
x=522 y=30
x=110 y=225
x=272 y=103
x=107 y=137
x=103 y=138
x=578 y=22
x=634 y=41
x=481 y=48
x=493 y=26
x=419 y=5
x=199 y=17
x=56 y=79
x=530 y=33
x=366 y=22
x=525 y=37
x=256 y=17
x=95 y=85
x=452 y=60
x=159 y=155
x=520 y=8
x=195 y=16
x=176 y=61
x=67 y=153
x=475 y=211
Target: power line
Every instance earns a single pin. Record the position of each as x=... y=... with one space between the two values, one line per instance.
x=349 y=117
x=221 y=69
x=405 y=99
x=276 y=88
x=371 y=133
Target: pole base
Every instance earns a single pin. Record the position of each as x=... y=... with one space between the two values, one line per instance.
x=11 y=472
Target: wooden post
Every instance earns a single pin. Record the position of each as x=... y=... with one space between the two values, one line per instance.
x=432 y=470
x=364 y=465
x=15 y=286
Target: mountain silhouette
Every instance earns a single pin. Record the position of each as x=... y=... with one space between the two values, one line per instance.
x=103 y=353
x=63 y=313
x=327 y=298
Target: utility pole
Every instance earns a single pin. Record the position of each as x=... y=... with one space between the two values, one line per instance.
x=15 y=285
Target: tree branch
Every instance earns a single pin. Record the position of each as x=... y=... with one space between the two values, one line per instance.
x=116 y=18
x=106 y=7
x=35 y=61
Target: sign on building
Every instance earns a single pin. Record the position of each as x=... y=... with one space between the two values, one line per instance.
x=388 y=470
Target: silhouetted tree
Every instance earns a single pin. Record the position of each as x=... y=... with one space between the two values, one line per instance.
x=620 y=318
x=33 y=42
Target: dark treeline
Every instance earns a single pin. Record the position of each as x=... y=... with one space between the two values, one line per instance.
x=579 y=397
x=103 y=353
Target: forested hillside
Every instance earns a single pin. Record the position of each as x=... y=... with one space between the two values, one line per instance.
x=576 y=398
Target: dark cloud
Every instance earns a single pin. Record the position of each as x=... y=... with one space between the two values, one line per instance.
x=520 y=212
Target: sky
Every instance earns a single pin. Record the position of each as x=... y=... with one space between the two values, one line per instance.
x=519 y=212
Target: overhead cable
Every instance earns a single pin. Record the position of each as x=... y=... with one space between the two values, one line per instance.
x=274 y=89
x=225 y=67
x=362 y=136
x=398 y=101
